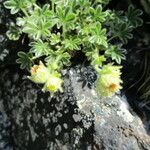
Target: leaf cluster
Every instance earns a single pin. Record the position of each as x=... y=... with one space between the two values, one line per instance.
x=61 y=27
x=124 y=23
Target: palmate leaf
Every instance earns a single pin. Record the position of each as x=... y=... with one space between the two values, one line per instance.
x=38 y=24
x=124 y=23
x=65 y=17
x=72 y=44
x=13 y=33
x=92 y=54
x=17 y=5
x=123 y=32
x=25 y=60
x=42 y=12
x=54 y=38
x=98 y=61
x=65 y=59
x=21 y=21
x=119 y=17
x=116 y=53
x=13 y=5
x=37 y=29
x=40 y=48
x=94 y=34
x=133 y=16
x=83 y=3
x=58 y=59
x=98 y=35
x=85 y=30
x=97 y=14
x=51 y=59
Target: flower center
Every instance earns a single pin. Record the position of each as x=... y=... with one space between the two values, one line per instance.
x=112 y=87
x=34 y=69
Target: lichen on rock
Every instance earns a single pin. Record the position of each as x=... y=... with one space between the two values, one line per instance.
x=74 y=119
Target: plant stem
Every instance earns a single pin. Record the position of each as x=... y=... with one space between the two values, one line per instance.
x=25 y=12
x=93 y=2
x=111 y=38
x=53 y=5
x=64 y=31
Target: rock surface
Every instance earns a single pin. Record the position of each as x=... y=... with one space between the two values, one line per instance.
x=75 y=119
x=116 y=126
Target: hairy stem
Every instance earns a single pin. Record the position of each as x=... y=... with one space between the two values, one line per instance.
x=25 y=12
x=111 y=38
x=53 y=3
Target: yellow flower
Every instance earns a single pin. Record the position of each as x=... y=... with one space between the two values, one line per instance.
x=53 y=84
x=109 y=81
x=39 y=73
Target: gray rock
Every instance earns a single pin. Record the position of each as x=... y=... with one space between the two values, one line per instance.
x=116 y=128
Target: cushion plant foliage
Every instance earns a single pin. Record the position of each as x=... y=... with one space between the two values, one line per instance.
x=60 y=27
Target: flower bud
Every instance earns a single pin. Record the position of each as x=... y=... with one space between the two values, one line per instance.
x=109 y=82
x=39 y=73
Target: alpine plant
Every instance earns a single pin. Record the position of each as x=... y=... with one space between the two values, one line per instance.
x=59 y=28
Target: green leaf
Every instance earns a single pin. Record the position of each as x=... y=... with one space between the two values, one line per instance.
x=13 y=5
x=55 y=38
x=57 y=60
x=94 y=34
x=25 y=59
x=72 y=43
x=116 y=53
x=38 y=24
x=37 y=29
x=103 y=1
x=40 y=48
x=85 y=30
x=92 y=54
x=122 y=25
x=69 y=17
x=123 y=32
x=98 y=35
x=44 y=12
x=21 y=21
x=83 y=3
x=133 y=16
x=13 y=33
x=65 y=17
x=66 y=59
x=98 y=61
x=119 y=17
x=16 y=5
x=98 y=14
x=51 y=61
